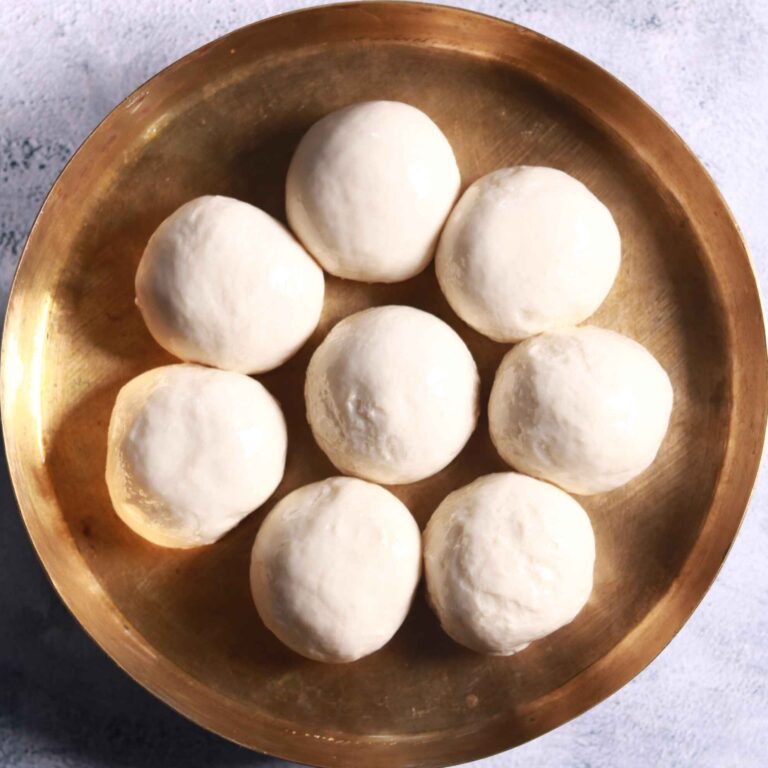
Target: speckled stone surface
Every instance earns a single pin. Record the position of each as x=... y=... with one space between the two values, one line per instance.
x=703 y=65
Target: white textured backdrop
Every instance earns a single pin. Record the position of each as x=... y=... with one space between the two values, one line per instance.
x=703 y=65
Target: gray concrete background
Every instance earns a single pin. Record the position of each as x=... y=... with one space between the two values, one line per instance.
x=703 y=65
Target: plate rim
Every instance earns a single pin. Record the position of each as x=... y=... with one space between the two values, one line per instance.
x=178 y=688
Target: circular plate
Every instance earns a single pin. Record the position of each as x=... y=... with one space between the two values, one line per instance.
x=225 y=120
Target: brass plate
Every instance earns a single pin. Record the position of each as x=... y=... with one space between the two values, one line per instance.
x=225 y=120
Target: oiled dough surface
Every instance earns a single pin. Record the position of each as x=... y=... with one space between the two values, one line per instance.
x=508 y=560
x=334 y=568
x=369 y=188
x=585 y=408
x=223 y=283
x=526 y=250
x=191 y=452
x=392 y=394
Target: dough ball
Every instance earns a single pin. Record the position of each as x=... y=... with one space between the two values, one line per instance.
x=527 y=250
x=508 y=560
x=392 y=394
x=191 y=452
x=334 y=568
x=584 y=408
x=369 y=189
x=223 y=283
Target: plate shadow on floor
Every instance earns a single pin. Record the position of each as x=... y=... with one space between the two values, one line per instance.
x=60 y=694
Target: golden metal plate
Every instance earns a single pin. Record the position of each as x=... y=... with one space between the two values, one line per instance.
x=225 y=120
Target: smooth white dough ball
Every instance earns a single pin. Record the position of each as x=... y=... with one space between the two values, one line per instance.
x=191 y=452
x=585 y=408
x=392 y=394
x=508 y=560
x=223 y=283
x=369 y=188
x=527 y=250
x=334 y=568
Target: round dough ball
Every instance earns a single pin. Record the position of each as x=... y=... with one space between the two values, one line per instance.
x=585 y=408
x=508 y=560
x=392 y=394
x=527 y=250
x=334 y=568
x=369 y=188
x=191 y=452
x=223 y=283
